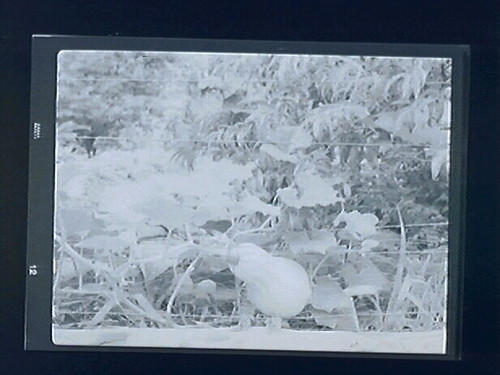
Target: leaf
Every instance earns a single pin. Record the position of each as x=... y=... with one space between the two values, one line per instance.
x=368 y=279
x=210 y=82
x=156 y=257
x=440 y=159
x=300 y=139
x=429 y=136
x=309 y=190
x=421 y=115
x=220 y=226
x=278 y=154
x=74 y=187
x=340 y=110
x=418 y=81
x=177 y=197
x=104 y=242
x=204 y=288
x=250 y=204
x=388 y=121
x=359 y=225
x=258 y=239
x=144 y=230
x=94 y=288
x=319 y=241
x=327 y=117
x=84 y=264
x=75 y=220
x=167 y=213
x=69 y=127
x=99 y=317
x=346 y=189
x=362 y=290
x=391 y=84
x=445 y=119
x=147 y=307
x=387 y=238
x=328 y=295
x=65 y=269
x=368 y=245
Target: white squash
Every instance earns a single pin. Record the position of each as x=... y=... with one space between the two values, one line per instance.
x=277 y=286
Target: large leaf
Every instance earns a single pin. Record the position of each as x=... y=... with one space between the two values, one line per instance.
x=75 y=220
x=300 y=139
x=328 y=295
x=250 y=204
x=70 y=127
x=319 y=241
x=359 y=225
x=278 y=154
x=367 y=279
x=103 y=242
x=309 y=190
x=171 y=214
x=180 y=197
x=156 y=257
x=338 y=111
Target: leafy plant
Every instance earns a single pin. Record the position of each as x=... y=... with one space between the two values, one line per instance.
x=338 y=163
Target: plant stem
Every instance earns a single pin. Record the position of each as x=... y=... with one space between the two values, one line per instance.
x=184 y=276
x=398 y=278
x=261 y=228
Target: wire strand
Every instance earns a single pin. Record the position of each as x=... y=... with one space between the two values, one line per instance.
x=254 y=142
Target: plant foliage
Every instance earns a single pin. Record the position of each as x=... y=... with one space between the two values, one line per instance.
x=337 y=162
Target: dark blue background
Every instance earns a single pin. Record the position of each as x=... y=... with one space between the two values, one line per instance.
x=476 y=23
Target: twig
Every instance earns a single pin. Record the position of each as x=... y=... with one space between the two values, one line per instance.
x=184 y=276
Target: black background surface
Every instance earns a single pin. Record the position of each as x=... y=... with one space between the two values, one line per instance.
x=476 y=23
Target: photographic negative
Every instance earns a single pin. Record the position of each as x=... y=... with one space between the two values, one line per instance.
x=252 y=201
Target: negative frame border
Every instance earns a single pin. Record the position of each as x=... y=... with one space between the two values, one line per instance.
x=45 y=48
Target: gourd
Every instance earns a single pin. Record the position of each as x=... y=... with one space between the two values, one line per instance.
x=276 y=286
